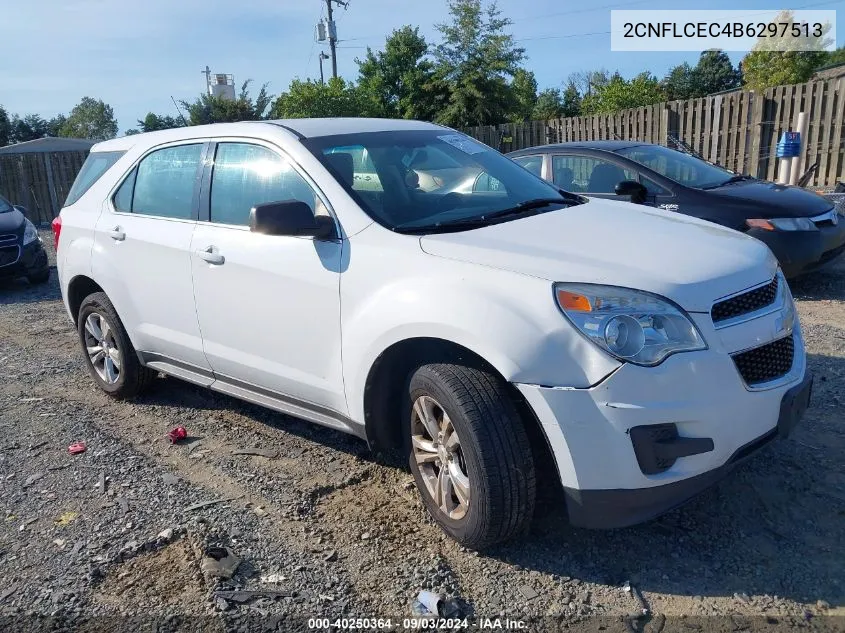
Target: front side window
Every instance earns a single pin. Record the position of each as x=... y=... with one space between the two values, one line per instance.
x=430 y=179
x=162 y=184
x=682 y=168
x=246 y=175
x=94 y=166
x=588 y=174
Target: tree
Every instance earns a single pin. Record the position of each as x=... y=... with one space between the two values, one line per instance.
x=476 y=59
x=619 y=94
x=312 y=99
x=549 y=105
x=524 y=88
x=212 y=109
x=28 y=128
x=835 y=57
x=571 y=101
x=55 y=125
x=586 y=81
x=5 y=127
x=776 y=61
x=92 y=119
x=680 y=83
x=715 y=73
x=400 y=81
x=153 y=122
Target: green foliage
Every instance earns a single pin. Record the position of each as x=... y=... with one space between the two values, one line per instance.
x=28 y=128
x=154 y=122
x=835 y=57
x=775 y=61
x=211 y=109
x=571 y=101
x=92 y=119
x=549 y=105
x=619 y=93
x=713 y=73
x=476 y=59
x=524 y=88
x=5 y=127
x=308 y=98
x=400 y=81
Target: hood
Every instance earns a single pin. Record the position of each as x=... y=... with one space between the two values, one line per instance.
x=774 y=200
x=11 y=221
x=687 y=260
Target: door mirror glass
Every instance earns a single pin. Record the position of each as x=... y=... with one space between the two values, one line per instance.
x=631 y=188
x=290 y=217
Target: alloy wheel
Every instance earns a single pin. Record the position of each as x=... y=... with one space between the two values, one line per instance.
x=102 y=348
x=439 y=457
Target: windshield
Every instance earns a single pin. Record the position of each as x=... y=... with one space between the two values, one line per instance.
x=416 y=179
x=682 y=168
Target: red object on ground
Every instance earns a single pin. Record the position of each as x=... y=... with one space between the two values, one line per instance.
x=179 y=433
x=76 y=448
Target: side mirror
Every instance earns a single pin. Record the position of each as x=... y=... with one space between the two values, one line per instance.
x=632 y=188
x=290 y=217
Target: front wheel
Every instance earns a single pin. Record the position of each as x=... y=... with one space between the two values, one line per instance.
x=469 y=454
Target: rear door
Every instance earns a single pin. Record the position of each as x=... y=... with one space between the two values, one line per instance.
x=141 y=254
x=268 y=305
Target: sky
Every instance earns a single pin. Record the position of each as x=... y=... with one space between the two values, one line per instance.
x=137 y=55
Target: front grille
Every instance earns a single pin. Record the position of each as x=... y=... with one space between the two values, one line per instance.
x=9 y=255
x=8 y=238
x=767 y=362
x=745 y=303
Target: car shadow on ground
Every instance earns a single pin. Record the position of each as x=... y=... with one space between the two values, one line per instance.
x=21 y=291
x=827 y=284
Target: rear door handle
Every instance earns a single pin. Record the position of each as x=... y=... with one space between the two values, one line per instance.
x=117 y=234
x=211 y=255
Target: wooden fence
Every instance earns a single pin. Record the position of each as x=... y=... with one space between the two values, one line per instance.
x=739 y=130
x=39 y=181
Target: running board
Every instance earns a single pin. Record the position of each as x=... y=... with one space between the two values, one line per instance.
x=251 y=393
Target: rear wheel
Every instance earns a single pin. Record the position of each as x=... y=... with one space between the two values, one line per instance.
x=109 y=355
x=469 y=454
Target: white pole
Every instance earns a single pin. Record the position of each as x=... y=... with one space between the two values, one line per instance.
x=784 y=169
x=798 y=163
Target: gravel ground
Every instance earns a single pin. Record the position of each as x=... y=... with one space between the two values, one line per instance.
x=111 y=539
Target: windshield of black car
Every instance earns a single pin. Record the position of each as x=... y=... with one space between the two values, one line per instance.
x=5 y=205
x=682 y=168
x=413 y=179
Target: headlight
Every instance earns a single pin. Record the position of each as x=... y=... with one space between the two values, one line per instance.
x=632 y=325
x=30 y=233
x=783 y=224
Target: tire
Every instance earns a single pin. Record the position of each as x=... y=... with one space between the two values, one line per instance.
x=41 y=277
x=130 y=377
x=493 y=454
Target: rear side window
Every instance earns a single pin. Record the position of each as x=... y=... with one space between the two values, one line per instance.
x=94 y=166
x=534 y=164
x=162 y=184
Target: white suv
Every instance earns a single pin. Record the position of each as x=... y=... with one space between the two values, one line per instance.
x=401 y=282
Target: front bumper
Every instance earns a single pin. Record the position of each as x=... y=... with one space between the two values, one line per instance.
x=802 y=252
x=28 y=260
x=700 y=393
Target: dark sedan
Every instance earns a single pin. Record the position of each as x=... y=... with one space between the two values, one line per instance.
x=802 y=229
x=21 y=251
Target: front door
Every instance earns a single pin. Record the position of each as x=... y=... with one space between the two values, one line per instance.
x=268 y=306
x=590 y=175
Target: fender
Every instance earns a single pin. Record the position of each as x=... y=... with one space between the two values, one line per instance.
x=508 y=319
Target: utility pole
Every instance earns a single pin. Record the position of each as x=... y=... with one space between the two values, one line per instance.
x=322 y=57
x=207 y=73
x=333 y=33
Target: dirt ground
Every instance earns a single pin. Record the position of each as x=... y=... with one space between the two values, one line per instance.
x=112 y=540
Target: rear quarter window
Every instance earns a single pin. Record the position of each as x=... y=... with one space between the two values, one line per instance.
x=93 y=168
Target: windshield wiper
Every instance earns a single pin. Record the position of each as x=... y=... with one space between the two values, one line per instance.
x=484 y=220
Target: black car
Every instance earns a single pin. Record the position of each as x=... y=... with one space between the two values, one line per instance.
x=802 y=229
x=21 y=251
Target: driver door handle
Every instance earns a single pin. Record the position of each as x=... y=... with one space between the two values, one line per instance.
x=117 y=234
x=211 y=256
